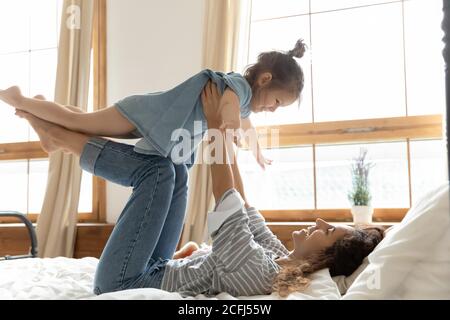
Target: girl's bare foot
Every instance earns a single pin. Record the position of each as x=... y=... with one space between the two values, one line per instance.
x=12 y=96
x=44 y=129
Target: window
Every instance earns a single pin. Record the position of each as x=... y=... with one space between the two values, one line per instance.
x=388 y=177
x=374 y=78
x=28 y=58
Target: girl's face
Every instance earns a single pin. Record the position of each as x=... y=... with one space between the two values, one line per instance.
x=270 y=100
x=317 y=238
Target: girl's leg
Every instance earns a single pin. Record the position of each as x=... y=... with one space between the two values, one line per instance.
x=106 y=122
x=89 y=149
x=54 y=137
x=71 y=108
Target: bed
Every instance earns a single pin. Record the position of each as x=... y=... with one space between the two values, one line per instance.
x=411 y=262
x=70 y=279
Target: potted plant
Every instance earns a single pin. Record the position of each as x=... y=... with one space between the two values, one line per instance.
x=359 y=195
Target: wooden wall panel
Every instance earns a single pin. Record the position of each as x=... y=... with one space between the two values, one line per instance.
x=91 y=239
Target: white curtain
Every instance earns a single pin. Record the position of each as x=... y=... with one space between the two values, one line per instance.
x=226 y=27
x=56 y=226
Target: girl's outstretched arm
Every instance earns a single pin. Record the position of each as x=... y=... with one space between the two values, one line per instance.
x=106 y=122
x=251 y=139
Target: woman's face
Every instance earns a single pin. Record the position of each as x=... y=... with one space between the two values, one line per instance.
x=317 y=238
x=269 y=100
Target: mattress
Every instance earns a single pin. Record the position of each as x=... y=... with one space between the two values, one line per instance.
x=71 y=279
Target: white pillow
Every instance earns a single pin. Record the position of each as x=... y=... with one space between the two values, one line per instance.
x=413 y=260
x=430 y=278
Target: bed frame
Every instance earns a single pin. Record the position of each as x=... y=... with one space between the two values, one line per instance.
x=31 y=233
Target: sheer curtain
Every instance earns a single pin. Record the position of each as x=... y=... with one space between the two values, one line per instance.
x=56 y=226
x=225 y=32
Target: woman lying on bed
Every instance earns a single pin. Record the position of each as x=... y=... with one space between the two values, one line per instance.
x=249 y=259
x=245 y=258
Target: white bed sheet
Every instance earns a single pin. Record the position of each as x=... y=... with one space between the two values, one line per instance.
x=63 y=278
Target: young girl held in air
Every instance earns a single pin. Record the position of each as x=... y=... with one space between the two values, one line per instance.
x=276 y=80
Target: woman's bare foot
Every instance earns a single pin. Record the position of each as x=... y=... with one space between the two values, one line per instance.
x=44 y=129
x=12 y=96
x=188 y=249
x=39 y=97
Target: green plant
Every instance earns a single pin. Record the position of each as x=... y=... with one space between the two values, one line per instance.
x=360 y=169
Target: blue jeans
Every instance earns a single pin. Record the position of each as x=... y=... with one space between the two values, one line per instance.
x=149 y=228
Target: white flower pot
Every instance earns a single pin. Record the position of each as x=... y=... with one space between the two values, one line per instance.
x=362 y=214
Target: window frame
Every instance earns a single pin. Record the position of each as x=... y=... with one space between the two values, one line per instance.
x=345 y=132
x=393 y=129
x=32 y=150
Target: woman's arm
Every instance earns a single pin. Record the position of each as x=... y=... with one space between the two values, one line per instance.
x=229 y=110
x=211 y=99
x=255 y=224
x=238 y=180
x=222 y=177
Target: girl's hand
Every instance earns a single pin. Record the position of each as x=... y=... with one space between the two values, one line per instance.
x=262 y=161
x=211 y=100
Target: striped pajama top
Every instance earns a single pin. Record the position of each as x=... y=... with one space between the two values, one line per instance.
x=241 y=260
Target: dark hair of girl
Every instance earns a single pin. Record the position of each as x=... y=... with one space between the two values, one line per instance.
x=286 y=72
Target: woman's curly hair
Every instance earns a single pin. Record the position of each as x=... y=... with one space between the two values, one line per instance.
x=342 y=258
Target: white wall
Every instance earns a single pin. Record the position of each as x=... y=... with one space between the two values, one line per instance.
x=152 y=45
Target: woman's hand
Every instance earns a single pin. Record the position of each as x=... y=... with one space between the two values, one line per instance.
x=211 y=100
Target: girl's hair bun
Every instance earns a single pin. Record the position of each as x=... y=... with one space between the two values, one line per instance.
x=299 y=49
